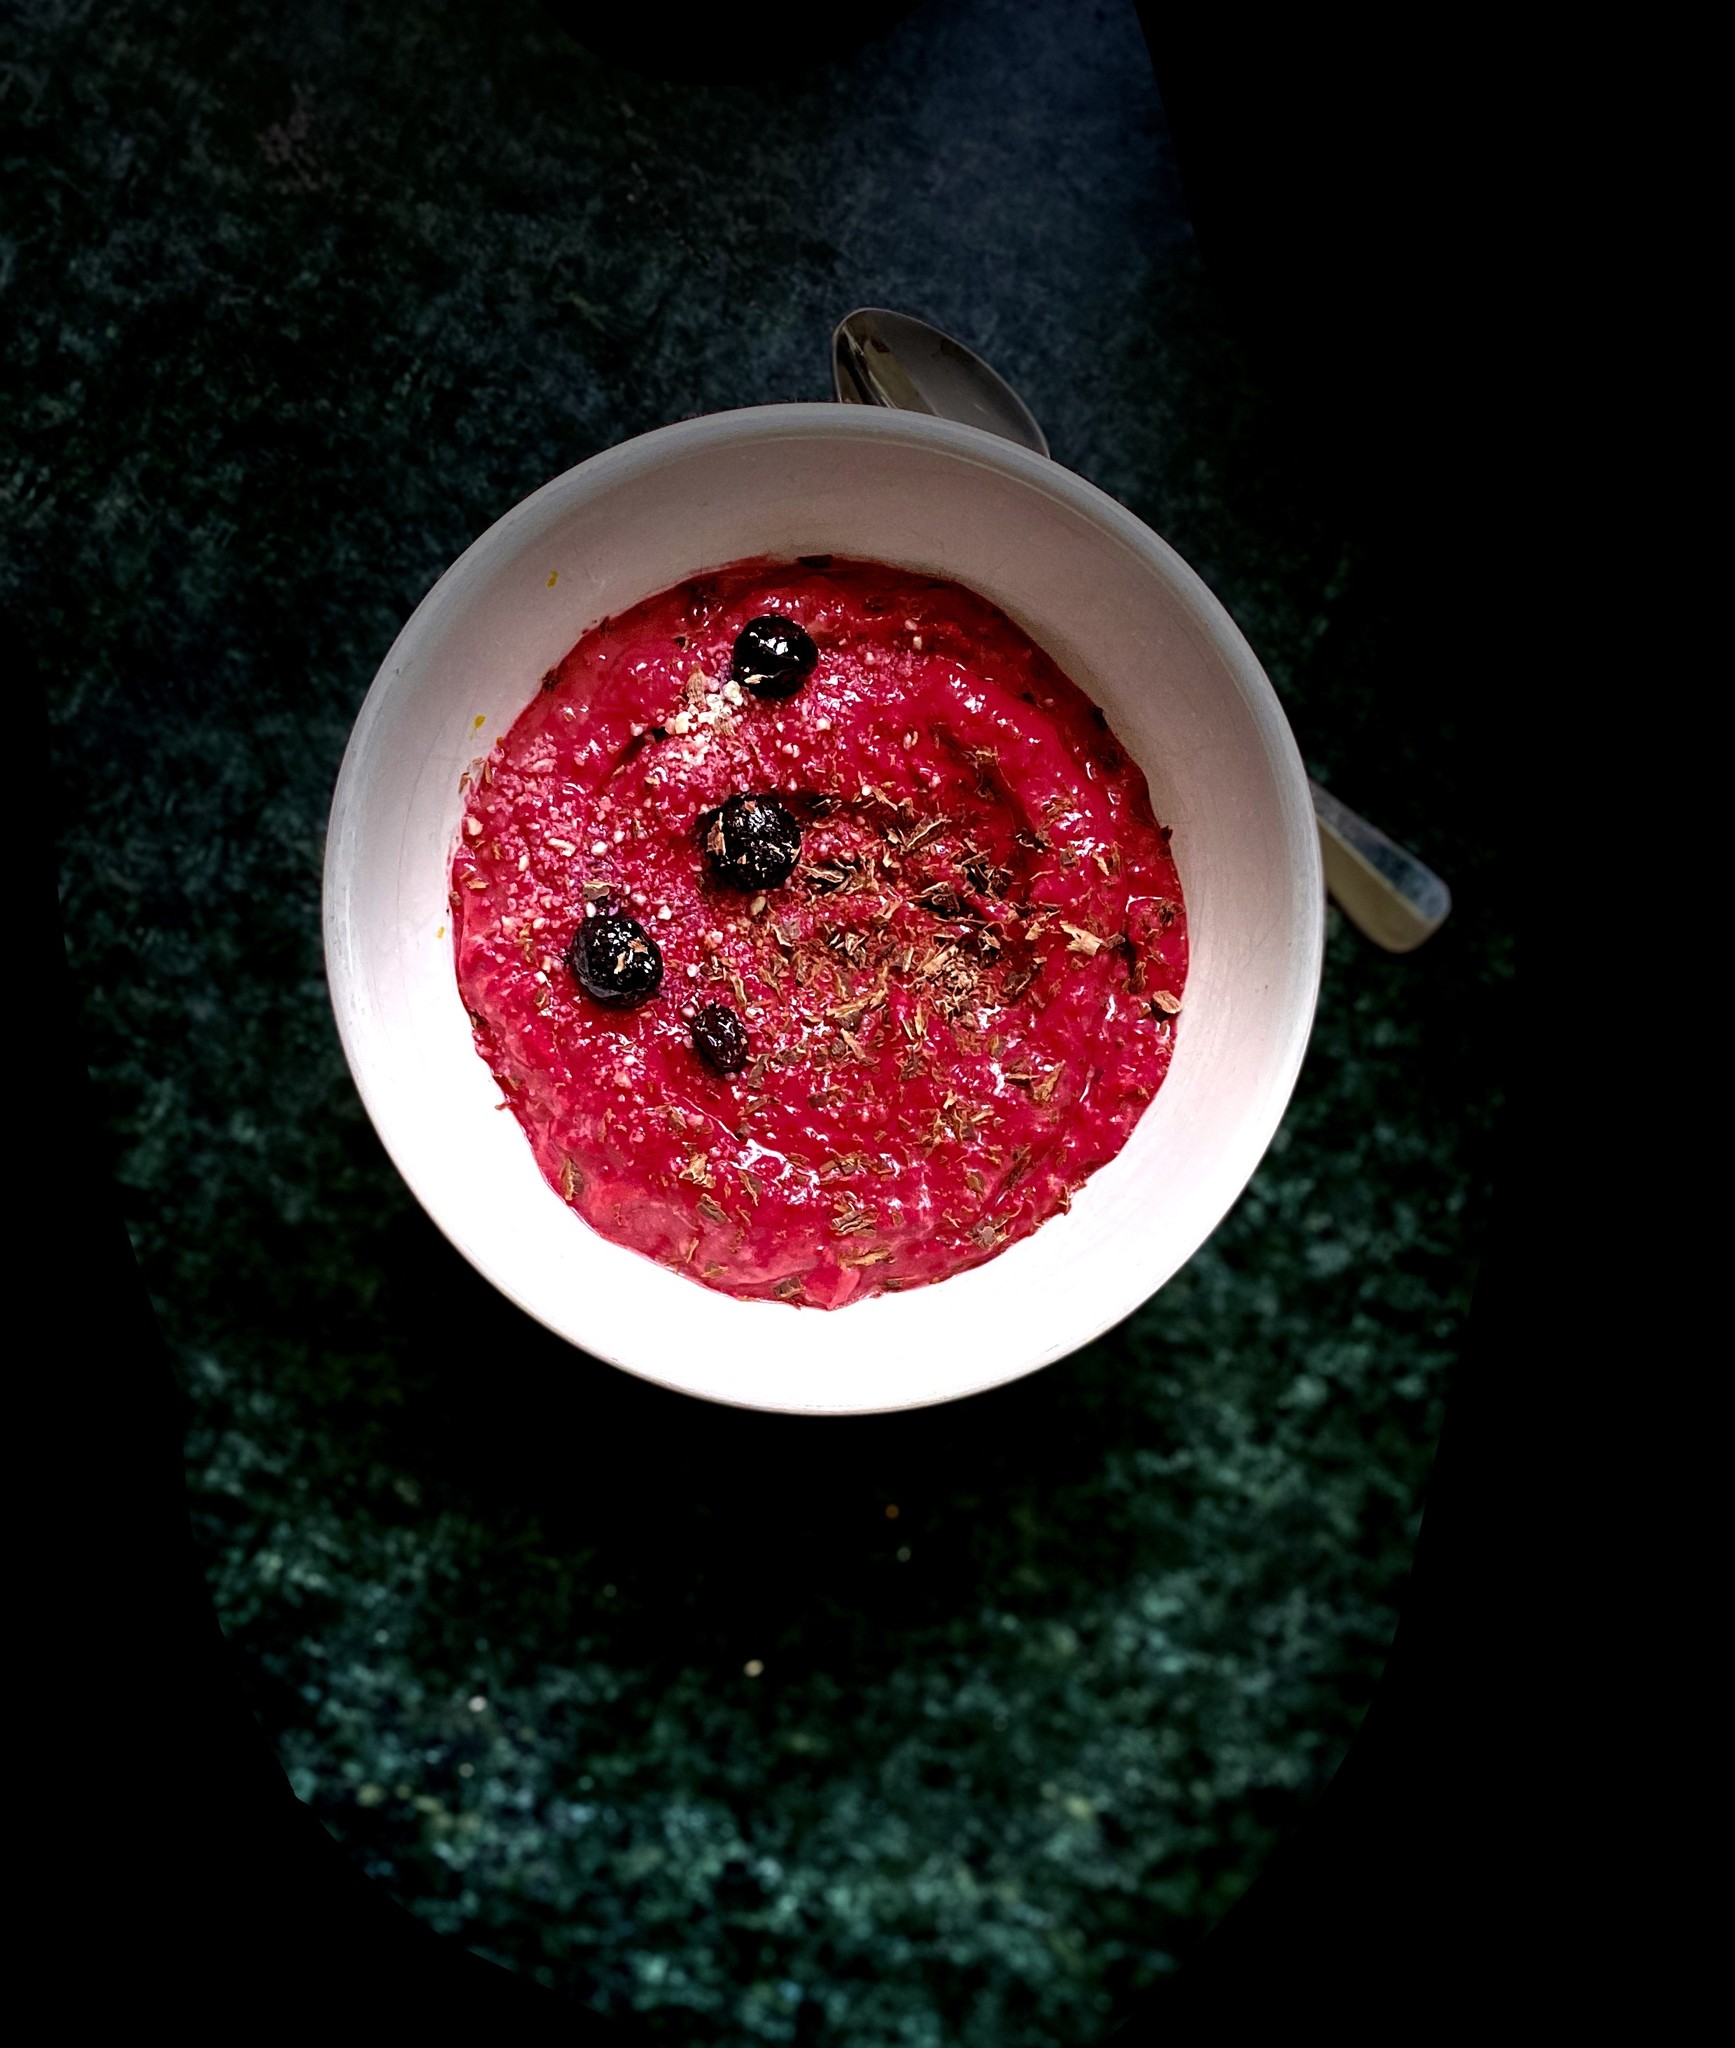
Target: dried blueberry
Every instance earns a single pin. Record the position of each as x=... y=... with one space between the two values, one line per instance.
x=751 y=842
x=720 y=1038
x=615 y=960
x=773 y=656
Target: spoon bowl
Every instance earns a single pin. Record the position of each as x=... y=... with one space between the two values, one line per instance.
x=884 y=358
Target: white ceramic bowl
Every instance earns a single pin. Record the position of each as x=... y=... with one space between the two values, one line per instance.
x=1123 y=616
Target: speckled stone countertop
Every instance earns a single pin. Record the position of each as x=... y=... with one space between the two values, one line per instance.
x=953 y=1727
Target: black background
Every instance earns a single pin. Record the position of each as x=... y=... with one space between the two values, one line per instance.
x=1315 y=167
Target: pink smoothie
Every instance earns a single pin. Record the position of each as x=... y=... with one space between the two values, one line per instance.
x=958 y=1005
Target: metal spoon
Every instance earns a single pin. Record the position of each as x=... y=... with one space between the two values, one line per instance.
x=884 y=358
x=881 y=358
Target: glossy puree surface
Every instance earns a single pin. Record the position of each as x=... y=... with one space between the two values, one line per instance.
x=958 y=1005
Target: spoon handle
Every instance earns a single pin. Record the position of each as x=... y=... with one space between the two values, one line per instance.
x=1384 y=890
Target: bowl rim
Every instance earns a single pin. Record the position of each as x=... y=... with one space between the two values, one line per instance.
x=976 y=446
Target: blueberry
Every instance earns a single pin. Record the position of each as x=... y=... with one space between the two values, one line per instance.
x=615 y=960
x=751 y=842
x=720 y=1038
x=773 y=656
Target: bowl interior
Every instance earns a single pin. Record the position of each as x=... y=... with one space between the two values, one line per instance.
x=1119 y=611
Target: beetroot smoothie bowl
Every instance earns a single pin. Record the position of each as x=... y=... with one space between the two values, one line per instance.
x=823 y=909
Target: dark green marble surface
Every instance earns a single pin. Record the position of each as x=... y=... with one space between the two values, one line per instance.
x=297 y=301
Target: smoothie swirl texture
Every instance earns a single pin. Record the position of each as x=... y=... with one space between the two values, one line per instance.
x=957 y=1006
